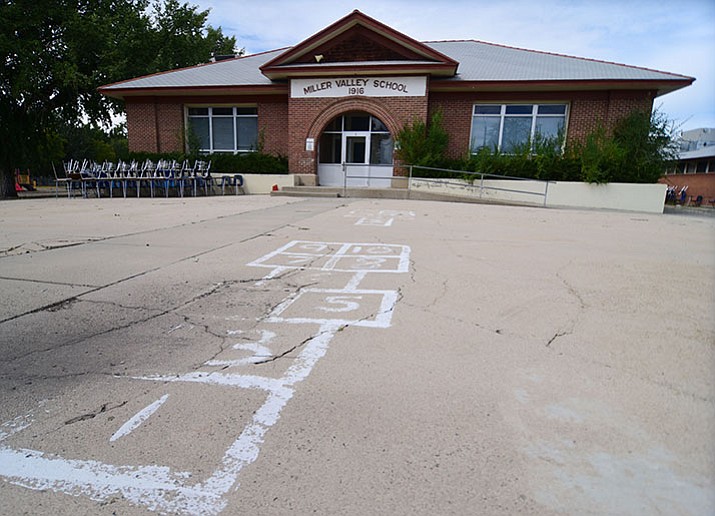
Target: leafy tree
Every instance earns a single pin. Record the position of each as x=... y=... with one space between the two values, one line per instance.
x=179 y=39
x=56 y=53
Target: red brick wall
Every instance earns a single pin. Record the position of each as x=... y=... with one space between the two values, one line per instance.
x=457 y=120
x=170 y=115
x=141 y=126
x=587 y=110
x=698 y=184
x=155 y=125
x=273 y=126
x=308 y=117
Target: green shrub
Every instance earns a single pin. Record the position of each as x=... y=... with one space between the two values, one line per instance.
x=250 y=163
x=646 y=142
x=422 y=144
x=600 y=157
x=638 y=150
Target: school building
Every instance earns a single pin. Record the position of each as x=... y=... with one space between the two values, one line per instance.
x=342 y=95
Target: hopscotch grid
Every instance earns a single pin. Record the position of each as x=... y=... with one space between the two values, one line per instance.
x=156 y=487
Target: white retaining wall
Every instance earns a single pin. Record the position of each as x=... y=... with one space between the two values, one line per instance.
x=649 y=198
x=262 y=183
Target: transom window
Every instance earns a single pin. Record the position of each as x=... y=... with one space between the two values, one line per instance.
x=224 y=129
x=510 y=127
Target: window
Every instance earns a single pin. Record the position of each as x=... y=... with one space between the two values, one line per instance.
x=224 y=129
x=509 y=127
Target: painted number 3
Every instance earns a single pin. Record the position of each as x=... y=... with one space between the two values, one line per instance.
x=341 y=304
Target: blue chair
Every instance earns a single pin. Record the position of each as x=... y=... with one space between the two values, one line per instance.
x=202 y=176
x=236 y=181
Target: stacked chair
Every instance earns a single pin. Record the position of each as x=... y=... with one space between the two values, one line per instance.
x=134 y=178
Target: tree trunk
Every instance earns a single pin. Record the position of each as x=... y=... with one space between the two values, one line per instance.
x=7 y=185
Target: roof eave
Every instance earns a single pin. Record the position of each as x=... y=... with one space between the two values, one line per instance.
x=184 y=91
x=661 y=87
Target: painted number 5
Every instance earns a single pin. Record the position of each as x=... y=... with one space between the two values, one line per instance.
x=341 y=304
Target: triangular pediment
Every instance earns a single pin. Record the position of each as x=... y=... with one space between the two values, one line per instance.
x=358 y=41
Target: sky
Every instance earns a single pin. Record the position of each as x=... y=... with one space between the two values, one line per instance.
x=671 y=36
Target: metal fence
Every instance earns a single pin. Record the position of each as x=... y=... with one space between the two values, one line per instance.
x=456 y=179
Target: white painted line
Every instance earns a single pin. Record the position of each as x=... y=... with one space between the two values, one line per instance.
x=339 y=304
x=138 y=419
x=334 y=260
x=374 y=221
x=266 y=337
x=245 y=449
x=226 y=380
x=155 y=486
x=152 y=486
x=14 y=426
x=258 y=262
x=302 y=260
x=382 y=319
x=382 y=218
x=355 y=280
x=275 y=272
x=259 y=350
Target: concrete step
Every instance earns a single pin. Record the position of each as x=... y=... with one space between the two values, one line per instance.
x=329 y=191
x=307 y=191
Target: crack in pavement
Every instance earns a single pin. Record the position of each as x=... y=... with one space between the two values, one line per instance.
x=91 y=415
x=143 y=320
x=47 y=282
x=498 y=331
x=93 y=289
x=28 y=379
x=558 y=335
x=55 y=244
x=571 y=325
x=285 y=353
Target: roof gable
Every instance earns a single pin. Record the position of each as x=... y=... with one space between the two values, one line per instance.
x=357 y=38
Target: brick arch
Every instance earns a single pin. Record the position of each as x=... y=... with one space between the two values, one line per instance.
x=373 y=107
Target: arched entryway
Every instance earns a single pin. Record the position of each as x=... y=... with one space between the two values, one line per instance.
x=355 y=149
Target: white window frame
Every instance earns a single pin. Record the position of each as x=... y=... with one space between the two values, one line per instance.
x=210 y=116
x=503 y=114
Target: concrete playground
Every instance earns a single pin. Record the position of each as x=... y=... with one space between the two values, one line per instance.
x=272 y=355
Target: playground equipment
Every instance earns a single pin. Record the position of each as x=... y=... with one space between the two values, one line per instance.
x=23 y=182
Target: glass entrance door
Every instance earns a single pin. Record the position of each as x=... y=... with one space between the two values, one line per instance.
x=355 y=149
x=355 y=152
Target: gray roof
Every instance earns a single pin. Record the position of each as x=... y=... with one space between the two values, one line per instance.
x=705 y=152
x=230 y=72
x=478 y=61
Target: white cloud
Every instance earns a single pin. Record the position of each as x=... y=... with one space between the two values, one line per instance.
x=676 y=37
